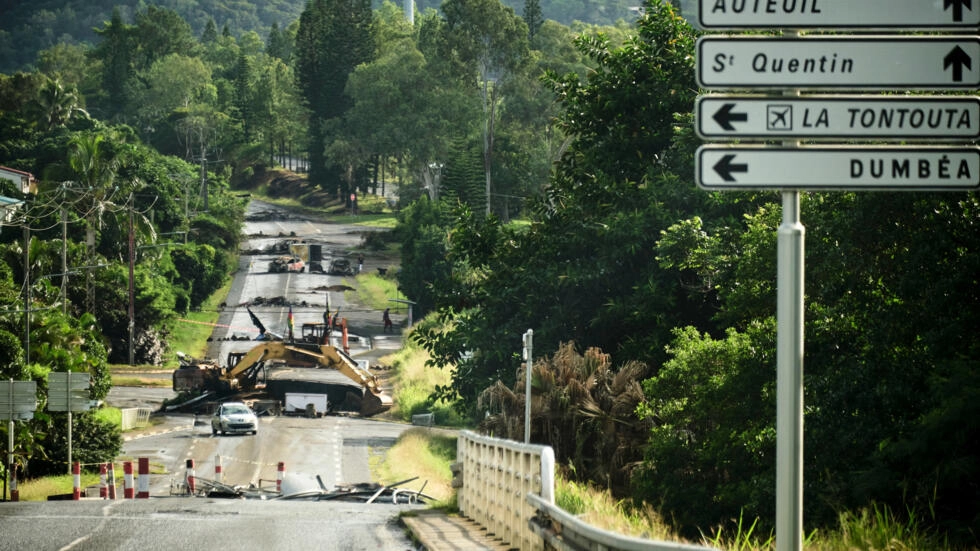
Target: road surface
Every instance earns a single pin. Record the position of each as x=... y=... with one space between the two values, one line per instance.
x=335 y=449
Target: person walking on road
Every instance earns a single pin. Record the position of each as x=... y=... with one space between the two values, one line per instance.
x=387 y=319
x=360 y=263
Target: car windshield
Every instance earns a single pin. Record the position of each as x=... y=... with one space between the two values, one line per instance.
x=234 y=410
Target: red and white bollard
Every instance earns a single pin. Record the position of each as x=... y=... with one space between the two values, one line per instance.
x=76 y=478
x=280 y=474
x=217 y=468
x=112 y=481
x=144 y=478
x=128 y=480
x=103 y=488
x=14 y=492
x=189 y=473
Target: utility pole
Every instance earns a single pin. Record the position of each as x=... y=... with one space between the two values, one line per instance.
x=489 y=113
x=204 y=175
x=64 y=261
x=27 y=293
x=132 y=286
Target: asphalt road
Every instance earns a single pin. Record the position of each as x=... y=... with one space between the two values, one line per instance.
x=168 y=524
x=335 y=449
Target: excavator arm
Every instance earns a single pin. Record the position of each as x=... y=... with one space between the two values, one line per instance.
x=374 y=400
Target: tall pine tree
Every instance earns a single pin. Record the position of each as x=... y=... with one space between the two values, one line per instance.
x=533 y=17
x=116 y=51
x=333 y=38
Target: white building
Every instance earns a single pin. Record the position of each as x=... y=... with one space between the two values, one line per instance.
x=25 y=182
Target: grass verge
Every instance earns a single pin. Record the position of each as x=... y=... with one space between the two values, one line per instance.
x=423 y=453
x=414 y=383
x=122 y=380
x=598 y=508
x=190 y=333
x=109 y=415
x=38 y=489
x=375 y=291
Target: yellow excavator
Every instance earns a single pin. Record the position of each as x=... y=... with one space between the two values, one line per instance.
x=243 y=369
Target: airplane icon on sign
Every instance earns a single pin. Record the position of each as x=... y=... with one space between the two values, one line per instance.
x=780 y=117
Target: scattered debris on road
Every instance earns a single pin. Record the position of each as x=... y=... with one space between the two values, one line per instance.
x=358 y=493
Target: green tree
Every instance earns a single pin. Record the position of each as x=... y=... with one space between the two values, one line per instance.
x=333 y=38
x=58 y=105
x=462 y=177
x=94 y=441
x=210 y=33
x=95 y=166
x=117 y=54
x=487 y=40
x=402 y=110
x=423 y=231
x=71 y=64
x=160 y=32
x=245 y=95
x=173 y=84
x=533 y=18
x=584 y=270
x=712 y=443
x=279 y=111
x=11 y=356
x=279 y=44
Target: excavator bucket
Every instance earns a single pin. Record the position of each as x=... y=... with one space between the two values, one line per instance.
x=373 y=404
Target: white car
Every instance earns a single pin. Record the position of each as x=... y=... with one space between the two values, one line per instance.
x=234 y=417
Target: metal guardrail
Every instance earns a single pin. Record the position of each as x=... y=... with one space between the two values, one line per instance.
x=509 y=488
x=135 y=417
x=563 y=531
x=495 y=475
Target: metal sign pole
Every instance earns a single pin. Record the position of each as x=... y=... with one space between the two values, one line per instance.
x=68 y=408
x=835 y=62
x=69 y=441
x=789 y=377
x=10 y=437
x=10 y=448
x=528 y=345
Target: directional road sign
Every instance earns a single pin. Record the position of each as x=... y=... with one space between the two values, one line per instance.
x=947 y=118
x=18 y=400
x=839 y=62
x=883 y=168
x=68 y=391
x=841 y=14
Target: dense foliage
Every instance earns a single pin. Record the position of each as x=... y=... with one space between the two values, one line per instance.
x=667 y=292
x=625 y=255
x=136 y=134
x=30 y=27
x=112 y=226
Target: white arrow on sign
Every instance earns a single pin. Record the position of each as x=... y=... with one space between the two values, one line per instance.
x=847 y=14
x=867 y=168
x=828 y=117
x=839 y=62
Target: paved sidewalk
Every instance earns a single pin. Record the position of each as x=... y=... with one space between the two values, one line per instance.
x=438 y=531
x=162 y=424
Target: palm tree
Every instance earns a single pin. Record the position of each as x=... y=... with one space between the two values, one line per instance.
x=58 y=105
x=582 y=407
x=96 y=167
